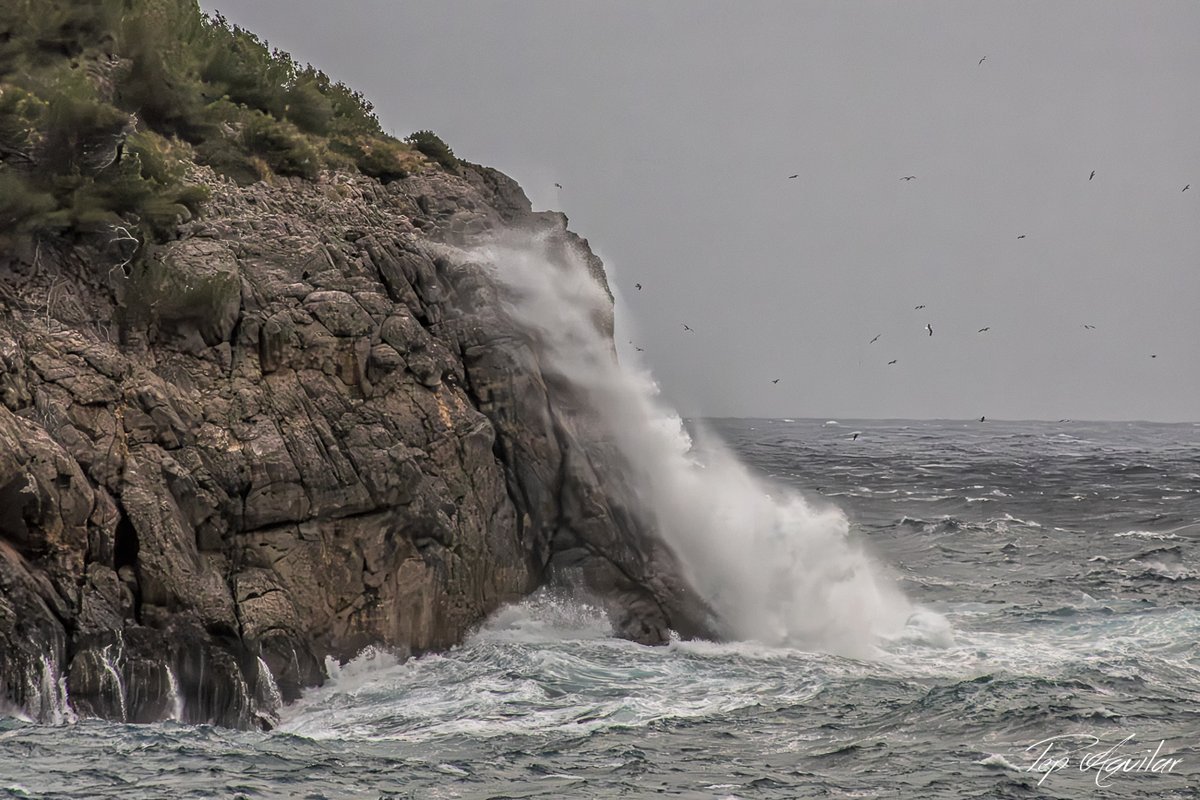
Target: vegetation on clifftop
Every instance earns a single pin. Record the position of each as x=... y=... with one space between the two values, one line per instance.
x=104 y=104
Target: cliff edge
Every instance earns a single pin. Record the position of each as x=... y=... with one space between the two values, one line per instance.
x=302 y=427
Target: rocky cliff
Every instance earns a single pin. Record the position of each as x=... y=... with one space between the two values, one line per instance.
x=302 y=427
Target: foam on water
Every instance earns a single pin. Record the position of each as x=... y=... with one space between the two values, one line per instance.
x=775 y=568
x=543 y=666
x=1019 y=633
x=544 y=669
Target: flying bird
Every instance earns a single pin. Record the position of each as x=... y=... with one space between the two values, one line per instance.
x=1154 y=356
x=909 y=178
x=1022 y=236
x=984 y=330
x=775 y=381
x=1092 y=175
x=558 y=185
x=983 y=419
x=686 y=328
x=1090 y=327
x=917 y=308
x=893 y=361
x=873 y=341
x=855 y=436
x=797 y=175
x=982 y=60
x=929 y=328
x=1187 y=187
x=639 y=286
x=639 y=349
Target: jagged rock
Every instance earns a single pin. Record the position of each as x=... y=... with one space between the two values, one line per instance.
x=316 y=431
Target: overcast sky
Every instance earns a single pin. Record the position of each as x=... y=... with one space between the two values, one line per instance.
x=673 y=126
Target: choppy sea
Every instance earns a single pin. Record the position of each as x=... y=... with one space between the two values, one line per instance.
x=1051 y=651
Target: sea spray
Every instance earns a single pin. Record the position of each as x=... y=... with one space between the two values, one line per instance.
x=269 y=697
x=176 y=695
x=46 y=693
x=111 y=664
x=773 y=567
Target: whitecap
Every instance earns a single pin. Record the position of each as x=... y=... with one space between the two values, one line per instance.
x=997 y=760
x=1154 y=535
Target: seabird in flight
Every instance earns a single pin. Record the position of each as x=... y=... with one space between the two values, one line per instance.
x=558 y=185
x=893 y=361
x=929 y=328
x=983 y=419
x=775 y=381
x=909 y=178
x=1092 y=175
x=982 y=60
x=917 y=308
x=1022 y=236
x=1089 y=327
x=855 y=436
x=639 y=349
x=686 y=328
x=797 y=175
x=875 y=339
x=639 y=286
x=984 y=330
x=1187 y=187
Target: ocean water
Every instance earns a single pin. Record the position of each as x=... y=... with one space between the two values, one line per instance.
x=1047 y=574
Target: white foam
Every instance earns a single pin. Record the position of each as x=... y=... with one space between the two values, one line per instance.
x=499 y=688
x=546 y=617
x=927 y=627
x=997 y=760
x=360 y=670
x=1146 y=535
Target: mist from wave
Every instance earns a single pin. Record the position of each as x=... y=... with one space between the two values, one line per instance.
x=775 y=568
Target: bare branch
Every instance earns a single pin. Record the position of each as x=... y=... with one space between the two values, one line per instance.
x=121 y=234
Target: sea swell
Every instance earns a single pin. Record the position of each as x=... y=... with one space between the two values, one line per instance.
x=1017 y=633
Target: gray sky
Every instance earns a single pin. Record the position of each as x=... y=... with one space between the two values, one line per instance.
x=673 y=127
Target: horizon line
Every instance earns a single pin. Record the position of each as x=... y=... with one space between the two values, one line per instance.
x=834 y=418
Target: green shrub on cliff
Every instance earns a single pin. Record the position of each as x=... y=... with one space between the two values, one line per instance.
x=105 y=104
x=431 y=144
x=281 y=145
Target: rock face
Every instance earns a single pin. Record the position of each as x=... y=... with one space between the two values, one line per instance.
x=303 y=428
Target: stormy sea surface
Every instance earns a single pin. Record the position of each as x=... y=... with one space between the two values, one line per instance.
x=1052 y=574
